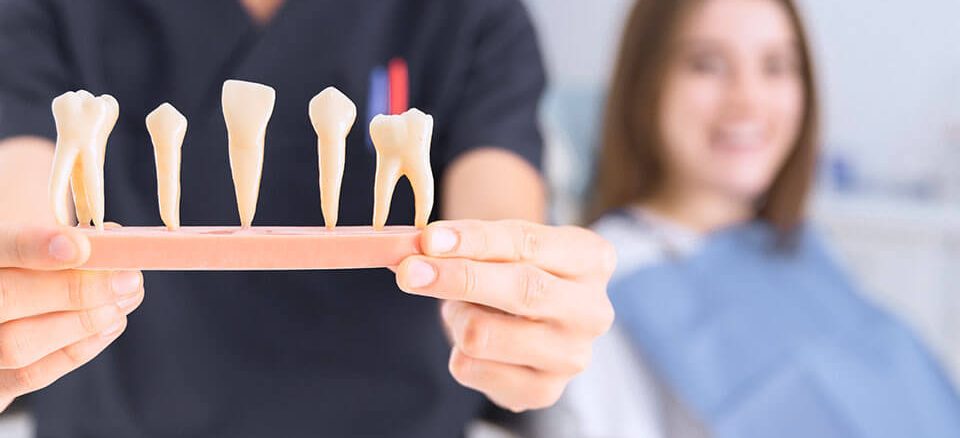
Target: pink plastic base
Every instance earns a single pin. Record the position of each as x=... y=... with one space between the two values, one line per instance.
x=258 y=248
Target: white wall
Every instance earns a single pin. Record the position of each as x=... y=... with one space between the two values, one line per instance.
x=579 y=37
x=891 y=78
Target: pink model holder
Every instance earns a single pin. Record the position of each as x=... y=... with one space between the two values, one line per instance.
x=257 y=248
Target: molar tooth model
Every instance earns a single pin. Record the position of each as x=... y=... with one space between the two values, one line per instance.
x=84 y=123
x=403 y=149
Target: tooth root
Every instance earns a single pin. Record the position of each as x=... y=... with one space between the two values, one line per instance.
x=84 y=124
x=167 y=128
x=80 y=196
x=333 y=115
x=388 y=173
x=93 y=185
x=97 y=155
x=422 y=182
x=64 y=159
x=247 y=108
x=403 y=149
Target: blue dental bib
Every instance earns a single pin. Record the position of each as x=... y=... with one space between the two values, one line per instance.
x=765 y=341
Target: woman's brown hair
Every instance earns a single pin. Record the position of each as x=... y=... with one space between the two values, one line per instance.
x=630 y=166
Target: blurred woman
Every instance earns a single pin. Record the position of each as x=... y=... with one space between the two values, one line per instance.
x=732 y=319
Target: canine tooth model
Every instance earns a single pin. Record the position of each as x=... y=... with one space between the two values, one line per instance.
x=403 y=149
x=333 y=115
x=84 y=124
x=247 y=108
x=167 y=128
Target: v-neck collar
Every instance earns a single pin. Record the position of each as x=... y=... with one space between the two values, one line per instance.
x=256 y=25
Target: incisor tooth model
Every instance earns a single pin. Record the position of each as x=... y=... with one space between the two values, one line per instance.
x=403 y=149
x=247 y=108
x=84 y=124
x=332 y=114
x=167 y=128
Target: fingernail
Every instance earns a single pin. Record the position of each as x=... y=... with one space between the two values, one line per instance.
x=128 y=304
x=420 y=274
x=443 y=240
x=112 y=330
x=62 y=248
x=125 y=283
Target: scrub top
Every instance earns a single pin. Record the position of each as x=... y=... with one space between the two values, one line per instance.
x=253 y=354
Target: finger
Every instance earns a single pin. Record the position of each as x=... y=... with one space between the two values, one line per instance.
x=483 y=333
x=42 y=248
x=24 y=341
x=513 y=387
x=42 y=373
x=27 y=293
x=564 y=251
x=515 y=288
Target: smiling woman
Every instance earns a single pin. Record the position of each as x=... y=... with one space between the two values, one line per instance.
x=732 y=318
x=714 y=99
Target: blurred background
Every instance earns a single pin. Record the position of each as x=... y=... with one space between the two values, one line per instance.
x=888 y=190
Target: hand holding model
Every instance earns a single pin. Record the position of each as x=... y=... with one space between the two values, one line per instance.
x=524 y=303
x=53 y=318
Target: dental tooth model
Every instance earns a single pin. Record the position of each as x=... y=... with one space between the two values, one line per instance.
x=403 y=149
x=84 y=124
x=167 y=128
x=247 y=108
x=333 y=115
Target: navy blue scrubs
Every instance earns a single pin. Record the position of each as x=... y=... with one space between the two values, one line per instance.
x=256 y=354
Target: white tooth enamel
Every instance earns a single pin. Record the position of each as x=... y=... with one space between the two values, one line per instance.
x=167 y=129
x=247 y=108
x=84 y=124
x=403 y=149
x=333 y=115
x=741 y=135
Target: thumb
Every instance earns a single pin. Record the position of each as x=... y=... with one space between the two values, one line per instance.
x=42 y=248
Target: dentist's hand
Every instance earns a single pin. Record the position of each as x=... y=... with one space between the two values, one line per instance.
x=54 y=319
x=523 y=303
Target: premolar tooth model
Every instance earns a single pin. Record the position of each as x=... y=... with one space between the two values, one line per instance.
x=247 y=108
x=84 y=124
x=333 y=115
x=403 y=149
x=167 y=129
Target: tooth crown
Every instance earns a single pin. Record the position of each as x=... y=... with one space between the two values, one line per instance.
x=405 y=136
x=247 y=107
x=78 y=115
x=333 y=115
x=167 y=129
x=403 y=149
x=84 y=124
x=166 y=125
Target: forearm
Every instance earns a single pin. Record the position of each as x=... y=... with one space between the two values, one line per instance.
x=493 y=184
x=24 y=172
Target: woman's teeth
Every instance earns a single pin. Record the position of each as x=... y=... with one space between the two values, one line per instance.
x=740 y=137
